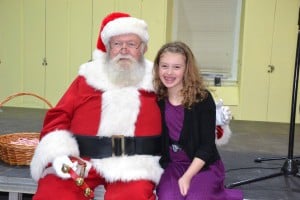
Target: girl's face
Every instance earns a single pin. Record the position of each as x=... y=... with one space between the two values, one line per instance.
x=171 y=70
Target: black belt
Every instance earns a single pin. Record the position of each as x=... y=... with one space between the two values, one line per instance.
x=118 y=145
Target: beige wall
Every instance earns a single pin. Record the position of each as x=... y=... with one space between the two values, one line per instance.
x=269 y=39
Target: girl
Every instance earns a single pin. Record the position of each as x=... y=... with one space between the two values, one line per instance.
x=193 y=168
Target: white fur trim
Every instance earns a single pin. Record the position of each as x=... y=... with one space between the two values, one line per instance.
x=56 y=143
x=119 y=106
x=129 y=168
x=225 y=137
x=147 y=83
x=125 y=25
x=97 y=54
x=96 y=77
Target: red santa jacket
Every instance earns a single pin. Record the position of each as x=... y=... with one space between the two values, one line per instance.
x=92 y=105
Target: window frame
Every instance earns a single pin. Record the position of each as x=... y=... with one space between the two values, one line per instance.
x=230 y=77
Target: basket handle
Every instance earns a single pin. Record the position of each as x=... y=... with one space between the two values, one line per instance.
x=25 y=93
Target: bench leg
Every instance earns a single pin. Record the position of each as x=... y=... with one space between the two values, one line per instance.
x=14 y=196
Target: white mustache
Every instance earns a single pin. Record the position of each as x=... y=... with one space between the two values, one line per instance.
x=119 y=57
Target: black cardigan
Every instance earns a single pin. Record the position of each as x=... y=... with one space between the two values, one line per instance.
x=197 y=137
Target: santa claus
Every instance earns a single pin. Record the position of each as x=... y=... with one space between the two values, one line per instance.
x=105 y=130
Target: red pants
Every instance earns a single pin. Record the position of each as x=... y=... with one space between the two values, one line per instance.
x=52 y=187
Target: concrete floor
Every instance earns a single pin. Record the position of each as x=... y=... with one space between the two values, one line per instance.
x=249 y=141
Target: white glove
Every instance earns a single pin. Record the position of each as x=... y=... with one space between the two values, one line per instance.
x=58 y=164
x=223 y=114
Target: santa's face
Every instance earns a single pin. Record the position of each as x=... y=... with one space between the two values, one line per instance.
x=125 y=60
x=126 y=48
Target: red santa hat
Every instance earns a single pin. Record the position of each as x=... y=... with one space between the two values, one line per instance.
x=118 y=23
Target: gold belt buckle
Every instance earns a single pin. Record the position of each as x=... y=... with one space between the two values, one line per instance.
x=113 y=144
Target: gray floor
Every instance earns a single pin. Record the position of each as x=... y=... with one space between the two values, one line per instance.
x=249 y=141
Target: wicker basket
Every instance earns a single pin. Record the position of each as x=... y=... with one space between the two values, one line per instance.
x=17 y=154
x=18 y=148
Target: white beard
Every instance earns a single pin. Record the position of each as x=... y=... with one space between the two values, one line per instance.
x=124 y=73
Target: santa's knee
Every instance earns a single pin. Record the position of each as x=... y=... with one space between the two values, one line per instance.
x=133 y=190
x=52 y=187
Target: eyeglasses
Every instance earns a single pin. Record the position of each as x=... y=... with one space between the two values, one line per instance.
x=129 y=44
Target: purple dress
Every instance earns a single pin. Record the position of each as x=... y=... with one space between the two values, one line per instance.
x=207 y=184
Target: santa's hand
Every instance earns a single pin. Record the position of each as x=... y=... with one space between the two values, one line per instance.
x=62 y=161
x=223 y=114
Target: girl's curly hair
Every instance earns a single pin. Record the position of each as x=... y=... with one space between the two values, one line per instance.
x=194 y=89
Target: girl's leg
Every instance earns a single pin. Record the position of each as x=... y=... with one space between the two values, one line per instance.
x=209 y=184
x=168 y=186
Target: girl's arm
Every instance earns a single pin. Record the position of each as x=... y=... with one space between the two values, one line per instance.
x=185 y=180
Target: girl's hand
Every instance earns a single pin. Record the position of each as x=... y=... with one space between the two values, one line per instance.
x=185 y=181
x=184 y=185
